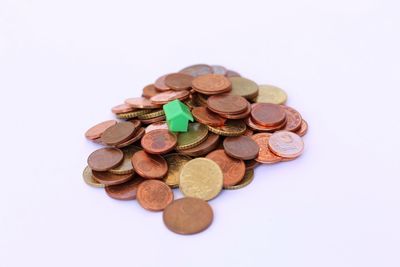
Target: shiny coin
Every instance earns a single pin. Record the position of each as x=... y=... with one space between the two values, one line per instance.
x=270 y=94
x=165 y=97
x=124 y=191
x=104 y=159
x=179 y=81
x=153 y=120
x=227 y=104
x=175 y=163
x=151 y=115
x=159 y=141
x=286 y=144
x=217 y=69
x=126 y=165
x=203 y=148
x=138 y=134
x=211 y=84
x=96 y=131
x=133 y=114
x=243 y=87
x=266 y=114
x=231 y=128
x=149 y=166
x=88 y=178
x=160 y=85
x=248 y=178
x=205 y=116
x=261 y=128
x=238 y=116
x=122 y=108
x=293 y=119
x=303 y=128
x=108 y=178
x=119 y=133
x=265 y=155
x=154 y=195
x=141 y=102
x=197 y=70
x=149 y=91
x=241 y=147
x=201 y=178
x=156 y=126
x=196 y=134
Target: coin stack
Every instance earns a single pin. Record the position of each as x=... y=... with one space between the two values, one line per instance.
x=239 y=125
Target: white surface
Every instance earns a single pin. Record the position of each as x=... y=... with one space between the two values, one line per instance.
x=64 y=64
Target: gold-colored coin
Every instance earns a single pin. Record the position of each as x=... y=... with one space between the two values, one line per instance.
x=133 y=114
x=175 y=163
x=231 y=128
x=201 y=178
x=126 y=166
x=247 y=179
x=196 y=134
x=270 y=94
x=243 y=87
x=151 y=115
x=88 y=178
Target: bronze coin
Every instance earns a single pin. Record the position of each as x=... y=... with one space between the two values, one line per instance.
x=205 y=116
x=188 y=215
x=124 y=191
x=197 y=70
x=293 y=119
x=241 y=147
x=231 y=73
x=157 y=125
x=141 y=102
x=108 y=178
x=179 y=81
x=233 y=169
x=96 y=131
x=248 y=132
x=265 y=155
x=160 y=85
x=138 y=134
x=104 y=159
x=204 y=148
x=159 y=141
x=251 y=164
x=122 y=108
x=286 y=144
x=154 y=195
x=149 y=166
x=303 y=128
x=165 y=97
x=211 y=84
x=242 y=115
x=119 y=133
x=267 y=114
x=227 y=104
x=153 y=120
x=261 y=128
x=217 y=69
x=149 y=91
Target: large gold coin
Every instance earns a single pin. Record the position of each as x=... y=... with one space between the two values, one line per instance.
x=201 y=178
x=126 y=166
x=175 y=163
x=243 y=87
x=231 y=128
x=270 y=94
x=196 y=134
x=88 y=178
x=247 y=179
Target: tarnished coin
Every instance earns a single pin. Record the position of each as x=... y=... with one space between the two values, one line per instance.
x=231 y=128
x=119 y=133
x=241 y=147
x=149 y=91
x=159 y=141
x=149 y=166
x=154 y=114
x=211 y=84
x=124 y=191
x=232 y=73
x=156 y=126
x=126 y=165
x=175 y=163
x=122 y=108
x=179 y=81
x=251 y=164
x=261 y=128
x=227 y=104
x=266 y=114
x=138 y=134
x=96 y=131
x=104 y=159
x=205 y=116
x=265 y=155
x=203 y=148
x=293 y=119
x=165 y=97
x=196 y=134
x=197 y=70
x=201 y=178
x=188 y=215
x=153 y=120
x=247 y=179
x=303 y=128
x=108 y=178
x=232 y=169
x=160 y=85
x=270 y=94
x=133 y=114
x=248 y=132
x=141 y=102
x=286 y=144
x=243 y=87
x=154 y=195
x=88 y=178
x=238 y=116
x=217 y=69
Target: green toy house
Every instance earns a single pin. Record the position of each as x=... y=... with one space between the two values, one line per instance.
x=178 y=116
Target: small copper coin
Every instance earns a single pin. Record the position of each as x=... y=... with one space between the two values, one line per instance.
x=261 y=128
x=154 y=195
x=251 y=164
x=293 y=119
x=231 y=73
x=211 y=84
x=138 y=134
x=232 y=169
x=241 y=147
x=165 y=97
x=303 y=129
x=141 y=102
x=267 y=114
x=122 y=108
x=188 y=215
x=159 y=141
x=119 y=133
x=265 y=155
x=125 y=191
x=205 y=116
x=149 y=166
x=286 y=144
x=217 y=69
x=108 y=178
x=160 y=85
x=197 y=70
x=149 y=91
x=104 y=159
x=238 y=116
x=96 y=131
x=248 y=132
x=153 y=120
x=157 y=125
x=227 y=104
x=179 y=81
x=204 y=148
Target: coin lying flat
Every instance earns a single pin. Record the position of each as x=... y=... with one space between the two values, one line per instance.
x=286 y=144
x=122 y=108
x=138 y=134
x=231 y=128
x=227 y=104
x=119 y=133
x=217 y=69
x=149 y=91
x=149 y=166
x=243 y=87
x=249 y=121
x=265 y=155
x=104 y=159
x=175 y=163
x=232 y=73
x=270 y=94
x=204 y=147
x=126 y=165
x=167 y=96
x=248 y=178
x=266 y=114
x=196 y=134
x=141 y=102
x=88 y=178
x=197 y=70
x=241 y=147
x=124 y=191
x=293 y=119
x=97 y=130
x=154 y=195
x=108 y=178
x=160 y=85
x=179 y=81
x=205 y=116
x=157 y=125
x=159 y=141
x=211 y=84
x=303 y=128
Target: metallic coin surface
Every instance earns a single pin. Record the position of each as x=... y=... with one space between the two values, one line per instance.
x=119 y=133
x=157 y=125
x=188 y=215
x=149 y=91
x=286 y=144
x=154 y=195
x=108 y=178
x=201 y=178
x=206 y=116
x=160 y=85
x=165 y=97
x=197 y=70
x=227 y=104
x=126 y=165
x=175 y=163
x=149 y=166
x=232 y=73
x=96 y=131
x=293 y=119
x=153 y=114
x=104 y=159
x=241 y=147
x=179 y=81
x=303 y=128
x=159 y=141
x=211 y=84
x=196 y=134
x=261 y=128
x=251 y=164
x=133 y=114
x=124 y=191
x=270 y=94
x=217 y=69
x=238 y=116
x=248 y=132
x=243 y=87
x=122 y=108
x=141 y=102
x=266 y=114
x=153 y=120
x=88 y=178
x=203 y=148
x=232 y=169
x=248 y=178
x=265 y=155
x=138 y=134
x=231 y=128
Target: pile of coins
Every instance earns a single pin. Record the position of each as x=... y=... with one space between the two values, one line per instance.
x=239 y=125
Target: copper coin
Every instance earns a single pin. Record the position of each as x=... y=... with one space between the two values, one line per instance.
x=125 y=191
x=211 y=84
x=251 y=164
x=205 y=116
x=154 y=195
x=286 y=144
x=165 y=97
x=217 y=69
x=293 y=119
x=119 y=133
x=104 y=159
x=149 y=166
x=141 y=102
x=159 y=141
x=261 y=128
x=267 y=114
x=157 y=125
x=108 y=178
x=96 y=131
x=122 y=108
x=233 y=169
x=204 y=148
x=231 y=73
x=149 y=91
x=265 y=155
x=197 y=70
x=241 y=147
x=227 y=104
x=303 y=128
x=153 y=120
x=238 y=116
x=160 y=85
x=248 y=132
x=179 y=81
x=188 y=215
x=138 y=134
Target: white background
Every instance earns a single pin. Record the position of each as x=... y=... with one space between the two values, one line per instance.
x=64 y=64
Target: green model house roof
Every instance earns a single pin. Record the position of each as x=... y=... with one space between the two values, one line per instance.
x=177 y=109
